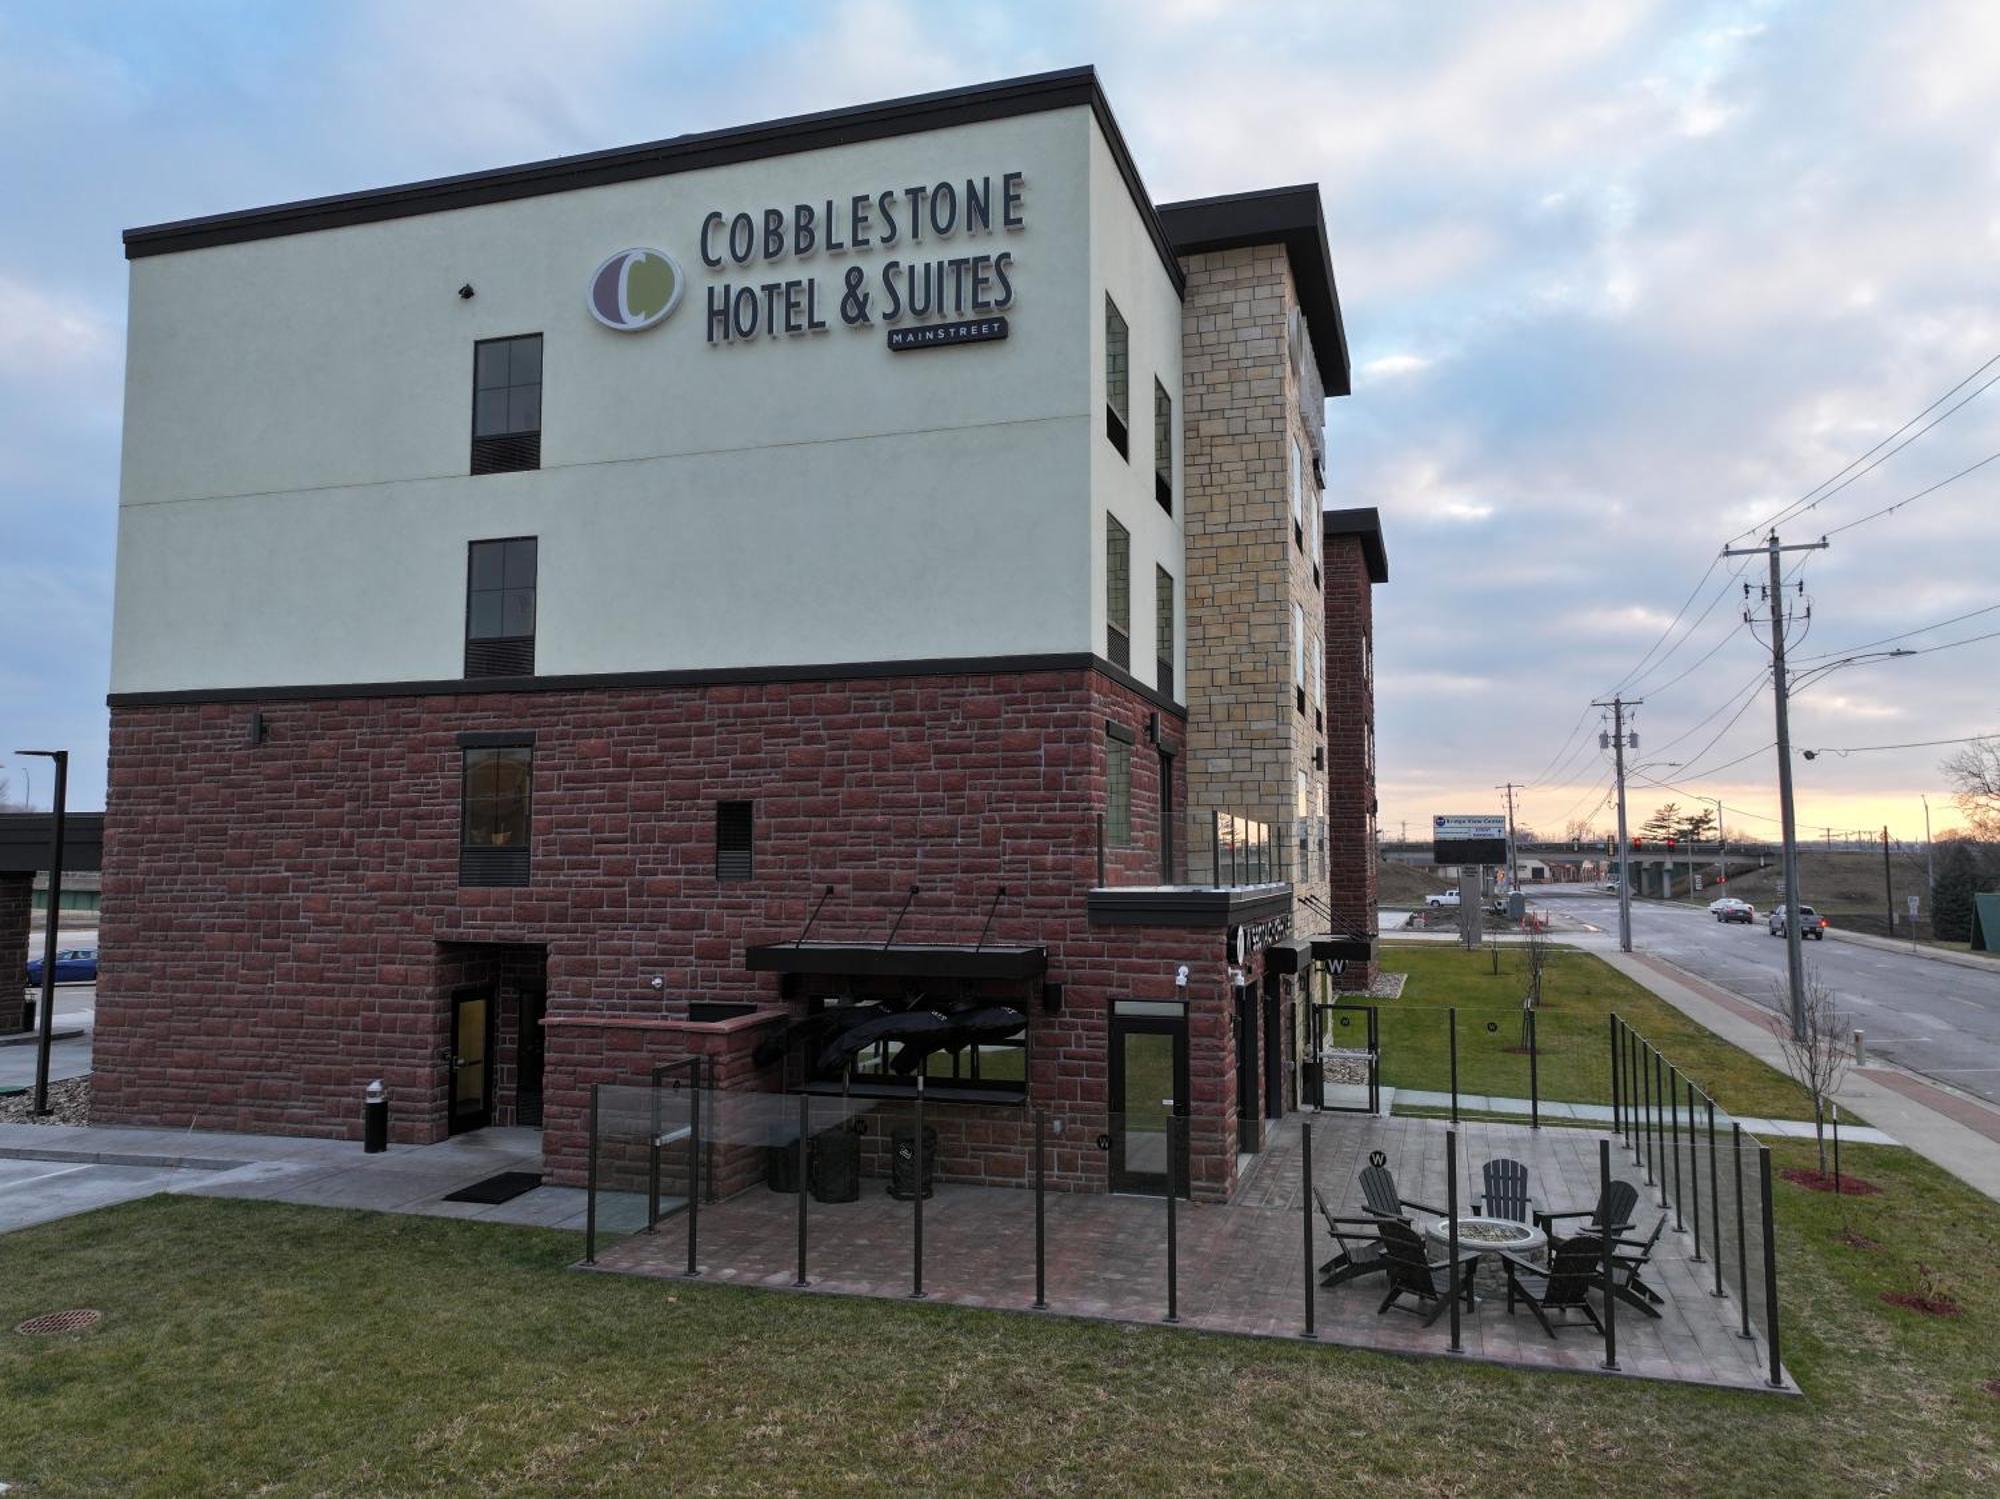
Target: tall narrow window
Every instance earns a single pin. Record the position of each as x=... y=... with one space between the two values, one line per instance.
x=500 y=608
x=496 y=779
x=1316 y=669
x=734 y=822
x=1163 y=630
x=1117 y=786
x=1298 y=497
x=1118 y=593
x=1299 y=654
x=1163 y=448
x=1117 y=377
x=507 y=404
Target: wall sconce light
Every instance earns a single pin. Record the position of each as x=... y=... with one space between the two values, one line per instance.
x=465 y=292
x=258 y=730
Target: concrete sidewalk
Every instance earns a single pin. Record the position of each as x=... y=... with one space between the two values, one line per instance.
x=98 y=1165
x=1953 y=1130
x=1917 y=950
x=1601 y=1113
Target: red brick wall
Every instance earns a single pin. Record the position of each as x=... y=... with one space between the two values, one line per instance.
x=1350 y=727
x=273 y=914
x=16 y=908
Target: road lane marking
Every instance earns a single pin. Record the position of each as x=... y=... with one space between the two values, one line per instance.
x=44 y=1176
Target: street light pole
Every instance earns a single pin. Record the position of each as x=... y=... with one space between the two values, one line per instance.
x=45 y=1017
x=1930 y=868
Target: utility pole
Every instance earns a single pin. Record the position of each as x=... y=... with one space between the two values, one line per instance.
x=1930 y=869
x=1513 y=855
x=1888 y=885
x=1618 y=705
x=1780 y=687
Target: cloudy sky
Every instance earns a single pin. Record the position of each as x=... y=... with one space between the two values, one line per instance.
x=1621 y=279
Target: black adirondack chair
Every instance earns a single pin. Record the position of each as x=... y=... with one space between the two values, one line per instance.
x=1611 y=1215
x=1629 y=1257
x=1574 y=1267
x=1412 y=1272
x=1380 y=1199
x=1506 y=1190
x=1360 y=1246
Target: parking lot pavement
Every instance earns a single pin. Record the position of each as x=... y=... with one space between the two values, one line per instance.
x=76 y=1010
x=38 y=1191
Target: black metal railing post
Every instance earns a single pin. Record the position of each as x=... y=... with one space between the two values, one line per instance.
x=1617 y=1102
x=1770 y=1267
x=1215 y=848
x=1173 y=1228
x=1610 y=1296
x=1306 y=1215
x=1646 y=1088
x=1041 y=1221
x=1374 y=1060
x=805 y=1124
x=917 y=1217
x=1635 y=1114
x=1674 y=1135
x=693 y=1179
x=653 y=1159
x=590 y=1186
x=1452 y=1020
x=1836 y=1150
x=1534 y=1078
x=1715 y=1200
x=1742 y=1236
x=1694 y=1177
x=1660 y=1119
x=1451 y=1225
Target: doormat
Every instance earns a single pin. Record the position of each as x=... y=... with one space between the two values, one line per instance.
x=502 y=1188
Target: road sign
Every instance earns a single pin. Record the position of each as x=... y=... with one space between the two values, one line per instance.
x=1469 y=839
x=1913 y=908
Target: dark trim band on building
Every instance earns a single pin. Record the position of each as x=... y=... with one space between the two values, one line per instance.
x=717 y=676
x=1289 y=216
x=1364 y=523
x=1356 y=947
x=904 y=960
x=1035 y=93
x=25 y=839
x=1189 y=906
x=497 y=739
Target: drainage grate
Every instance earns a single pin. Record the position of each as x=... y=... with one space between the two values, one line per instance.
x=50 y=1323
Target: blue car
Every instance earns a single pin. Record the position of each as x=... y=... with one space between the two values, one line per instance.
x=74 y=965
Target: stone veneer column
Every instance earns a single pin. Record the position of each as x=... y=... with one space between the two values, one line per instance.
x=1350 y=744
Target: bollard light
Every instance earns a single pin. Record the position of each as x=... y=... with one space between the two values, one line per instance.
x=375 y=1118
x=1860 y=1051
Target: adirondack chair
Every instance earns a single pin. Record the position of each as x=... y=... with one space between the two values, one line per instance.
x=1612 y=1214
x=1412 y=1272
x=1506 y=1190
x=1360 y=1246
x=1574 y=1267
x=1628 y=1258
x=1380 y=1198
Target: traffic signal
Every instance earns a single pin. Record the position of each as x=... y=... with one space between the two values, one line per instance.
x=1673 y=843
x=1638 y=844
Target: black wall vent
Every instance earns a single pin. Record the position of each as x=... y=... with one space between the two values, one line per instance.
x=492 y=866
x=506 y=455
x=510 y=656
x=733 y=826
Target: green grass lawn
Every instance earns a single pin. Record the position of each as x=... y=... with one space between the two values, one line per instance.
x=252 y=1348
x=1579 y=993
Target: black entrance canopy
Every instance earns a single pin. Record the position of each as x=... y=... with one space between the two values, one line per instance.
x=923 y=960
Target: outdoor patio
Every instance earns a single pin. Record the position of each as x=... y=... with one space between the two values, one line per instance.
x=1241 y=1267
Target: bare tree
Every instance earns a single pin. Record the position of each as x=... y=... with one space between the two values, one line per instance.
x=1817 y=1060
x=1535 y=954
x=1974 y=773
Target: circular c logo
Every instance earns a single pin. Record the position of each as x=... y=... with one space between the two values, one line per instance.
x=635 y=289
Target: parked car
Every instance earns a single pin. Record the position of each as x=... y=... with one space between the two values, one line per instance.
x=1447 y=900
x=1811 y=923
x=74 y=965
x=1729 y=908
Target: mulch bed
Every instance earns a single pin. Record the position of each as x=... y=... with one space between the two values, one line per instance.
x=1930 y=1306
x=1823 y=1181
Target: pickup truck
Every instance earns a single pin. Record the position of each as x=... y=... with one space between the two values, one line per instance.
x=1446 y=901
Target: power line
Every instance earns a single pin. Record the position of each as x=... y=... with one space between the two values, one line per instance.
x=1679 y=613
x=1861 y=749
x=1580 y=721
x=1889 y=639
x=1689 y=633
x=1757 y=679
x=1913 y=498
x=1690 y=671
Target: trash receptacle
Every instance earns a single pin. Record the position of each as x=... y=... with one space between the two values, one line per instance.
x=903 y=1162
x=836 y=1165
x=781 y=1161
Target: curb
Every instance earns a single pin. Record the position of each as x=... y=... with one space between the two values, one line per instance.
x=119 y=1158
x=1932 y=954
x=29 y=1038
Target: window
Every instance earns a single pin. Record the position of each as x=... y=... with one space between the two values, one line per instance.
x=1163 y=448
x=1117 y=786
x=1299 y=654
x=1117 y=377
x=994 y=1064
x=1163 y=630
x=507 y=404
x=1316 y=670
x=500 y=608
x=733 y=825
x=1118 y=593
x=495 y=801
x=1298 y=498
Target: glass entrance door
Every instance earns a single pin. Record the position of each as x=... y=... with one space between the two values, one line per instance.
x=1149 y=1090
x=471 y=1070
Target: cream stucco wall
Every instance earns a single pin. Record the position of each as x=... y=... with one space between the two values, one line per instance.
x=296 y=504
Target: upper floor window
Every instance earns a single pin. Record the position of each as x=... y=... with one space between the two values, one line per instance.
x=507 y=404
x=1315 y=669
x=1299 y=654
x=496 y=780
x=1163 y=448
x=1118 y=593
x=500 y=608
x=1163 y=630
x=1117 y=377
x=1117 y=786
x=1298 y=497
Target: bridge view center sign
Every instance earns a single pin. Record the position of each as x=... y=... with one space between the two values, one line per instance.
x=1469 y=840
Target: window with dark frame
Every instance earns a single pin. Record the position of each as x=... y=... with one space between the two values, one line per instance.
x=992 y=1066
x=496 y=803
x=1117 y=378
x=1163 y=630
x=500 y=607
x=507 y=404
x=734 y=825
x=1117 y=593
x=1118 y=742
x=1163 y=448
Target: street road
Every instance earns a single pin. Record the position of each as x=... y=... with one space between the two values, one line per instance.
x=76 y=1009
x=1935 y=1018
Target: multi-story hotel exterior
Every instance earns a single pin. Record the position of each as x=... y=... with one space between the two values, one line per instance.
x=585 y=615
